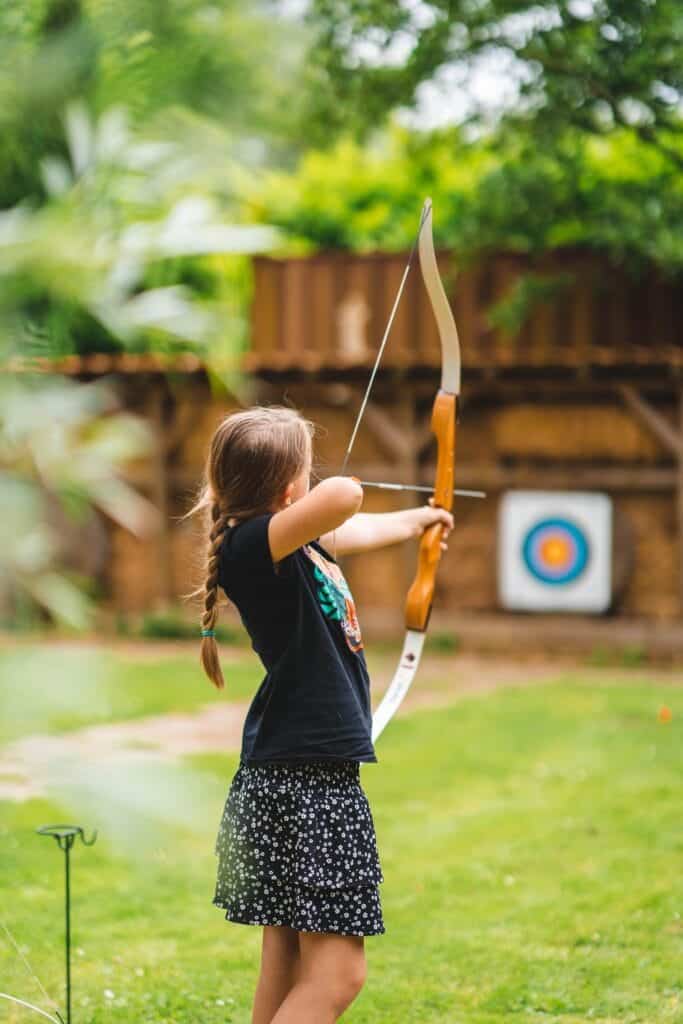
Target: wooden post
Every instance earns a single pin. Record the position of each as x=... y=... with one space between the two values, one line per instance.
x=671 y=439
x=160 y=491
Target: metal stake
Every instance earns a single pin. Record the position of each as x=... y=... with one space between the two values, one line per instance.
x=65 y=836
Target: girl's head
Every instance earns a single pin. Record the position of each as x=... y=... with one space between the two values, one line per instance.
x=259 y=461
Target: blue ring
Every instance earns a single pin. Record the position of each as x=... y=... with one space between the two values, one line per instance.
x=579 y=543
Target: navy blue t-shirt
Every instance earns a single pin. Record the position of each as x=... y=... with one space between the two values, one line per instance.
x=314 y=701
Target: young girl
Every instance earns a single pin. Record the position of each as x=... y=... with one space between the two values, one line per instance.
x=296 y=846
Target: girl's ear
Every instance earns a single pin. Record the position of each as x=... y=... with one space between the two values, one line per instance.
x=287 y=494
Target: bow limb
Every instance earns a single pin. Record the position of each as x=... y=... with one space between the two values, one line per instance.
x=30 y=1006
x=443 y=423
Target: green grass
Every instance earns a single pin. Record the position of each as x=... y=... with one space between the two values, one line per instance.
x=59 y=687
x=531 y=842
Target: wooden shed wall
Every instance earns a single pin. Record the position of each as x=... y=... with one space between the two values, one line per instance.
x=502 y=442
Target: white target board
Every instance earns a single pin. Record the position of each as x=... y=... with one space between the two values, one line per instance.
x=555 y=551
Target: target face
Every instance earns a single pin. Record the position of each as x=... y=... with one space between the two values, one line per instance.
x=554 y=551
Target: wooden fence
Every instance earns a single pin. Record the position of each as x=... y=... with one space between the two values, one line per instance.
x=330 y=310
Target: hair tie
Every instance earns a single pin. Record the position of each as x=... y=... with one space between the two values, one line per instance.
x=208 y=632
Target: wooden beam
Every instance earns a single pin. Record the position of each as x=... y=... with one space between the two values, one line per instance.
x=491 y=477
x=397 y=443
x=486 y=475
x=653 y=419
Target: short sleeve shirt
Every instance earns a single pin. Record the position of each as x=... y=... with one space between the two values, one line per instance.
x=314 y=701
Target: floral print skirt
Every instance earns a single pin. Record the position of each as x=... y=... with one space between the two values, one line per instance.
x=296 y=846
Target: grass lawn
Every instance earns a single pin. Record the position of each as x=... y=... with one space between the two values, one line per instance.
x=531 y=841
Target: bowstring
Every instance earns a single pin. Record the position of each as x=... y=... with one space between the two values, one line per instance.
x=373 y=373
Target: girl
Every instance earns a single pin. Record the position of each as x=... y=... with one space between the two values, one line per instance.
x=296 y=846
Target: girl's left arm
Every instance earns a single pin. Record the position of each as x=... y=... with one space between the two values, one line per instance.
x=367 y=530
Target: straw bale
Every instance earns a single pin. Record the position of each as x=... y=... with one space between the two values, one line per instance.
x=653 y=586
x=577 y=431
x=467 y=573
x=475 y=436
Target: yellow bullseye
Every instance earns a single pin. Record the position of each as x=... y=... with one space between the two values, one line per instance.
x=555 y=551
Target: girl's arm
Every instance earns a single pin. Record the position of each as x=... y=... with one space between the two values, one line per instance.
x=323 y=509
x=367 y=530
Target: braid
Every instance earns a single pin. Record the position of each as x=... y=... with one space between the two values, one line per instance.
x=253 y=456
x=209 y=648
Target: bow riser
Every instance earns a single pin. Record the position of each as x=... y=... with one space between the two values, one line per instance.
x=421 y=593
x=443 y=428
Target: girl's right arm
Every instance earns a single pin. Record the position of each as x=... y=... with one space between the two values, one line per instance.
x=323 y=509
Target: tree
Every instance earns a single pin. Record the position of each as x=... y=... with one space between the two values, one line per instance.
x=586 y=65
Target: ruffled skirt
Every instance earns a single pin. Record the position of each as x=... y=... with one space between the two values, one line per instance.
x=296 y=846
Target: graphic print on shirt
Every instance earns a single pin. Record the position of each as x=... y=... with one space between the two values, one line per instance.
x=335 y=597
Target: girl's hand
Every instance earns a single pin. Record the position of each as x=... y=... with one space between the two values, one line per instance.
x=428 y=515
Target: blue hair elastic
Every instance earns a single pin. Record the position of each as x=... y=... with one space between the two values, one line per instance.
x=208 y=632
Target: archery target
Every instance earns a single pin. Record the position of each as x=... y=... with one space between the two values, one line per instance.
x=554 y=551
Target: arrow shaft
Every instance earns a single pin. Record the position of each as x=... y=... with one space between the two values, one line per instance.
x=418 y=487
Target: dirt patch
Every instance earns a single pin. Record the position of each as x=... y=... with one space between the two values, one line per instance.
x=28 y=764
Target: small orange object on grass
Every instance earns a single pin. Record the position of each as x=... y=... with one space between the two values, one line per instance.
x=664 y=714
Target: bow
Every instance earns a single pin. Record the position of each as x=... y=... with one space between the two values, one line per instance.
x=419 y=600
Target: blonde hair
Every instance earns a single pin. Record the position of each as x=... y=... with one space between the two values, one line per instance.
x=253 y=455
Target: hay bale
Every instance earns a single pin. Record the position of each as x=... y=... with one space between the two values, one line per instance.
x=572 y=432
x=467 y=573
x=653 y=589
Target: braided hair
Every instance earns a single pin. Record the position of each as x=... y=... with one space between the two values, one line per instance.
x=253 y=455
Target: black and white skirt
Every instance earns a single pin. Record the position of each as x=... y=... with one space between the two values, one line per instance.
x=297 y=846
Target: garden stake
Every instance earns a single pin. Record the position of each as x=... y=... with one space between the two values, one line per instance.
x=65 y=836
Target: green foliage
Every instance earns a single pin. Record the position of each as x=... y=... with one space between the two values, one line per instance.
x=173 y=626
x=63 y=446
x=629 y=656
x=529 y=290
x=613 y=194
x=221 y=61
x=446 y=643
x=355 y=197
x=592 y=66
x=110 y=142
x=584 y=145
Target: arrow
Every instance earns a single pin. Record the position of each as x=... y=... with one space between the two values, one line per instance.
x=417 y=487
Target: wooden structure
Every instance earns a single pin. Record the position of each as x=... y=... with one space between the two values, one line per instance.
x=328 y=312
x=588 y=393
